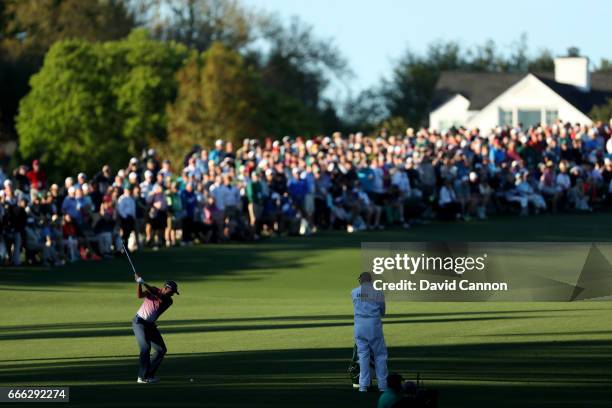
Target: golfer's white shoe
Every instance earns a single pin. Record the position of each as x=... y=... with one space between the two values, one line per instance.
x=152 y=380
x=355 y=385
x=142 y=380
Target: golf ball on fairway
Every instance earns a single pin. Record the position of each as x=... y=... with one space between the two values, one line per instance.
x=191 y=380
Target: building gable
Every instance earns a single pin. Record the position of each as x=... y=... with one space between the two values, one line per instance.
x=528 y=95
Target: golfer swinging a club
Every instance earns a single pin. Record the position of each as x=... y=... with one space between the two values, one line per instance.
x=156 y=301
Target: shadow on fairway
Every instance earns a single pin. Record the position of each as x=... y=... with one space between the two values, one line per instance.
x=86 y=325
x=229 y=261
x=181 y=264
x=105 y=329
x=525 y=374
x=124 y=329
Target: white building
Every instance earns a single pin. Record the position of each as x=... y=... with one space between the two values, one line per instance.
x=486 y=100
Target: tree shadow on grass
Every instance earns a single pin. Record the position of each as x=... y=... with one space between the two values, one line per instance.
x=524 y=374
x=87 y=325
x=181 y=264
x=204 y=326
x=229 y=261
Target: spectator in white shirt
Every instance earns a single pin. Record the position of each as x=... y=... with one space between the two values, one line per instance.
x=563 y=181
x=400 y=179
x=126 y=208
x=524 y=188
x=147 y=185
x=217 y=190
x=231 y=197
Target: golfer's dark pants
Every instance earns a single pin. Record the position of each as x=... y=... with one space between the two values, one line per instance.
x=148 y=336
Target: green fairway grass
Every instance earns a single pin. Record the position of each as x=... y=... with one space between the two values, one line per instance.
x=270 y=325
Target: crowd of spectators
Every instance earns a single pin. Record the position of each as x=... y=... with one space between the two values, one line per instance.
x=296 y=186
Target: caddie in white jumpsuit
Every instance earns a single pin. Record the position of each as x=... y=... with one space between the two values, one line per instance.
x=369 y=308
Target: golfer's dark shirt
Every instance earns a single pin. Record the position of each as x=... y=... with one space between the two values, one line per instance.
x=154 y=305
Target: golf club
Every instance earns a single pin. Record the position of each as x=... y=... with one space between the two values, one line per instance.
x=127 y=254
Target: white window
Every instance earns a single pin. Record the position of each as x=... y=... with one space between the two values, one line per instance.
x=529 y=118
x=505 y=117
x=551 y=116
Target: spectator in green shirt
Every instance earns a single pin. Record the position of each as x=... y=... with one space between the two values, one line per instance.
x=255 y=196
x=393 y=394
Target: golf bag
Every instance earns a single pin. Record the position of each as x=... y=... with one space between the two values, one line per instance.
x=353 y=369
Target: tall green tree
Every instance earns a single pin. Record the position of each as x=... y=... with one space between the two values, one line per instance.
x=200 y=23
x=28 y=28
x=144 y=82
x=410 y=89
x=230 y=96
x=602 y=112
x=98 y=102
x=32 y=26
x=69 y=119
x=218 y=97
x=294 y=65
x=605 y=65
x=409 y=92
x=541 y=62
x=296 y=69
x=298 y=63
x=187 y=124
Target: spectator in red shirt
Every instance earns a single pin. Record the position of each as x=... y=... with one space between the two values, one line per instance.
x=37 y=176
x=70 y=239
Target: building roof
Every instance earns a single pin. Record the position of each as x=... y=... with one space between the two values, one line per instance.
x=482 y=87
x=601 y=90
